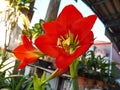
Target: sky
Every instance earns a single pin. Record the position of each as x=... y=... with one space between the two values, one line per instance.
x=41 y=9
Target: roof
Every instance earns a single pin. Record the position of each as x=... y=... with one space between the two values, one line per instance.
x=108 y=11
x=97 y=42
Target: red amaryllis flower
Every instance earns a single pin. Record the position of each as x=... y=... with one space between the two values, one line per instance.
x=68 y=37
x=26 y=53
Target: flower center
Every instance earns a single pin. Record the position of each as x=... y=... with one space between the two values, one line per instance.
x=69 y=42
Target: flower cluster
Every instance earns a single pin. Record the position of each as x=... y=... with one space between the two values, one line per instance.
x=65 y=39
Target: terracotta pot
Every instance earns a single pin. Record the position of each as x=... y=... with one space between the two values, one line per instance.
x=100 y=84
x=81 y=83
x=90 y=83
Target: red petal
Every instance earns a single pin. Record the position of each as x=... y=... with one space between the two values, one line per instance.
x=83 y=25
x=69 y=15
x=26 y=61
x=54 y=29
x=85 y=43
x=87 y=37
x=47 y=45
x=19 y=52
x=64 y=61
x=22 y=65
x=27 y=43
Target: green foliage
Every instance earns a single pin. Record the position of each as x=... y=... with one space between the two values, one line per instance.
x=17 y=82
x=36 y=30
x=96 y=67
x=20 y=3
x=10 y=81
x=27 y=1
x=38 y=82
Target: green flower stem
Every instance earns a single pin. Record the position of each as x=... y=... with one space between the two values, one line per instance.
x=74 y=74
x=75 y=84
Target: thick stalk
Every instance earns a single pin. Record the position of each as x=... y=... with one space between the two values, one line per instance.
x=75 y=84
x=74 y=74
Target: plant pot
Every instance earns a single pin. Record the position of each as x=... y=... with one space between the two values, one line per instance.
x=100 y=84
x=90 y=83
x=81 y=83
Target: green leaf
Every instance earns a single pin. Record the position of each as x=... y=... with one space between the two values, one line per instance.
x=36 y=82
x=19 y=85
x=43 y=76
x=29 y=85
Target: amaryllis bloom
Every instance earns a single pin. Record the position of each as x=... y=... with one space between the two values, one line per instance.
x=68 y=37
x=26 y=52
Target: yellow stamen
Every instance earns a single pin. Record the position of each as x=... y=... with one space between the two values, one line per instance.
x=69 y=42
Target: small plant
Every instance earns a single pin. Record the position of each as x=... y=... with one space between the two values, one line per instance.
x=95 y=67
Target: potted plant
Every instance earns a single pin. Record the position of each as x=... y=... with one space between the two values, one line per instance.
x=95 y=69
